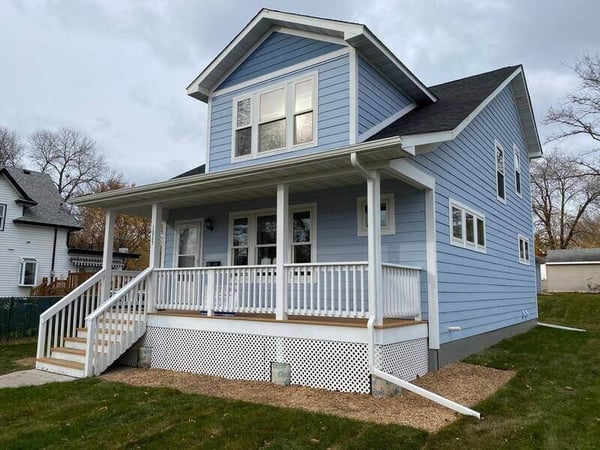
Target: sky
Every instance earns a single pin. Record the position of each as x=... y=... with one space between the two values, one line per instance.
x=118 y=69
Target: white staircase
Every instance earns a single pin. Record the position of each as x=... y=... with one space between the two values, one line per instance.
x=80 y=336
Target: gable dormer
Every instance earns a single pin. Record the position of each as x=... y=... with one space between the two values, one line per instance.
x=290 y=85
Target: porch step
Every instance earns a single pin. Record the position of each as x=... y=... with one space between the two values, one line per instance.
x=60 y=366
x=68 y=354
x=83 y=332
x=79 y=343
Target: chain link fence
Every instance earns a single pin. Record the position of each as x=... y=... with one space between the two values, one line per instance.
x=20 y=316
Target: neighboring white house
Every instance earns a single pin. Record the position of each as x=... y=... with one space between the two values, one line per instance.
x=34 y=230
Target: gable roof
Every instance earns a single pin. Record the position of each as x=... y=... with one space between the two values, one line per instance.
x=460 y=101
x=573 y=255
x=355 y=35
x=43 y=204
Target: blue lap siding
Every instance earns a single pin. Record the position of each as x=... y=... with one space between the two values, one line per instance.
x=278 y=51
x=480 y=292
x=378 y=99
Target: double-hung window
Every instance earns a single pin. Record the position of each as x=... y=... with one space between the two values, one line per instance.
x=2 y=216
x=523 y=250
x=253 y=236
x=277 y=118
x=500 y=177
x=467 y=227
x=28 y=272
x=517 y=171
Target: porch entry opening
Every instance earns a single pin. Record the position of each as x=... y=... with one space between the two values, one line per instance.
x=188 y=244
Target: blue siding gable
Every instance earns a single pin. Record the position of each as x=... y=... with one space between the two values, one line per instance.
x=278 y=51
x=378 y=99
x=481 y=292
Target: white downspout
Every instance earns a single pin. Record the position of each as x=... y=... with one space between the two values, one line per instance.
x=409 y=386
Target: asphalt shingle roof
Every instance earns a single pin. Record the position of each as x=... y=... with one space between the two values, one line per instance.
x=573 y=255
x=456 y=100
x=195 y=171
x=44 y=205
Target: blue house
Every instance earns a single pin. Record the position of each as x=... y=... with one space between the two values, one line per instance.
x=348 y=220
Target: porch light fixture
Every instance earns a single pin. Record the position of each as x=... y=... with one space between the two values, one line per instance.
x=208 y=224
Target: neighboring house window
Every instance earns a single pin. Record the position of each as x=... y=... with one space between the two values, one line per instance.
x=388 y=225
x=28 y=272
x=523 y=250
x=467 y=227
x=500 y=179
x=253 y=236
x=2 y=216
x=517 y=171
x=274 y=119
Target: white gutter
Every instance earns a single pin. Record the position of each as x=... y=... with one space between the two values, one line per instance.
x=409 y=386
x=559 y=327
x=358 y=166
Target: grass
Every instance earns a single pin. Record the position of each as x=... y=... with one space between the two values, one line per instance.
x=553 y=402
x=12 y=352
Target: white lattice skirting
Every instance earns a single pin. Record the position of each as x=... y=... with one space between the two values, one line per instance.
x=332 y=365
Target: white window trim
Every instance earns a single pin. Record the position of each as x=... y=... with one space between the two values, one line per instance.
x=517 y=169
x=289 y=116
x=390 y=228
x=527 y=260
x=252 y=214
x=3 y=210
x=463 y=243
x=24 y=261
x=182 y=223
x=497 y=146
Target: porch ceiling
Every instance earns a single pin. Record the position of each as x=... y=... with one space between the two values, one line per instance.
x=320 y=171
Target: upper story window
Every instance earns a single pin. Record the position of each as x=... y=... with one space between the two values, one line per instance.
x=523 y=250
x=386 y=210
x=467 y=227
x=500 y=178
x=275 y=119
x=517 y=171
x=2 y=216
x=28 y=272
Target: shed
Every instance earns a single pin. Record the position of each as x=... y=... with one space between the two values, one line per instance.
x=573 y=270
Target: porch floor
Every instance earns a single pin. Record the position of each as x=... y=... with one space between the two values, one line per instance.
x=308 y=320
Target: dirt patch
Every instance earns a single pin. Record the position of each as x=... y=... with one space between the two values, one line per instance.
x=464 y=383
x=26 y=362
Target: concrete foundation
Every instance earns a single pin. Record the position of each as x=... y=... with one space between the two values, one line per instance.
x=383 y=388
x=281 y=373
x=144 y=358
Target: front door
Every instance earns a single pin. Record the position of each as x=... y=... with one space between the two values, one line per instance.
x=188 y=245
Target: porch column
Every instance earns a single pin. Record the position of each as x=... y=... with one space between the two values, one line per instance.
x=374 y=245
x=282 y=251
x=155 y=254
x=107 y=254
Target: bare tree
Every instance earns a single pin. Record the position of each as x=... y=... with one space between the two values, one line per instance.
x=70 y=158
x=566 y=198
x=11 y=149
x=579 y=113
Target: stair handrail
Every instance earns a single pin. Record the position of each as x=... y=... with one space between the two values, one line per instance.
x=59 y=306
x=92 y=319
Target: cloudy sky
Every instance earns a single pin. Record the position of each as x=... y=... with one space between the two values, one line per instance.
x=118 y=69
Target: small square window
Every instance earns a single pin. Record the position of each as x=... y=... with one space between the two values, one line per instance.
x=386 y=211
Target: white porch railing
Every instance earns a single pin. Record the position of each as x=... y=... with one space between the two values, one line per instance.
x=328 y=289
x=116 y=325
x=242 y=289
x=401 y=291
x=63 y=318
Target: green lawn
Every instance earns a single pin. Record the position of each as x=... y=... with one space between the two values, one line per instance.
x=15 y=351
x=553 y=402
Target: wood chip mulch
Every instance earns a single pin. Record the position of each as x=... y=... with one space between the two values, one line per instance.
x=466 y=384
